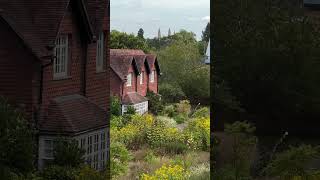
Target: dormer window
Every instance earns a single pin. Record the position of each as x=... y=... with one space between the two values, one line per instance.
x=129 y=79
x=141 y=78
x=152 y=76
x=100 y=53
x=60 y=64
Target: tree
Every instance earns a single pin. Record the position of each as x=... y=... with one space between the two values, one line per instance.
x=206 y=33
x=16 y=139
x=141 y=33
x=67 y=153
x=122 y=40
x=268 y=52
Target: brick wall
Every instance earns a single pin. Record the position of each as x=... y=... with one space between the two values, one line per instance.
x=142 y=88
x=133 y=87
x=72 y=84
x=115 y=84
x=16 y=69
x=153 y=86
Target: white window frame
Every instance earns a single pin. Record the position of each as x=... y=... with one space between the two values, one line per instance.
x=100 y=53
x=60 y=64
x=152 y=76
x=129 y=79
x=141 y=78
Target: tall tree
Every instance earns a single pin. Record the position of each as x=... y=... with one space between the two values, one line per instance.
x=206 y=33
x=141 y=33
x=122 y=40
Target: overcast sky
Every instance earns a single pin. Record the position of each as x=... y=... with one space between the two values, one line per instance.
x=130 y=15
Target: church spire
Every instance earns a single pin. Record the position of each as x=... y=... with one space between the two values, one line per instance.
x=159 y=34
x=169 y=32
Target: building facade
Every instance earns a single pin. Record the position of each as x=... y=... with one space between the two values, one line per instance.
x=53 y=65
x=132 y=74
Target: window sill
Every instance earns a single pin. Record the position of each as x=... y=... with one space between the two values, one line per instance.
x=61 y=78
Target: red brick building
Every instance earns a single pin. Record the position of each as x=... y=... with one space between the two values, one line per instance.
x=53 y=61
x=132 y=74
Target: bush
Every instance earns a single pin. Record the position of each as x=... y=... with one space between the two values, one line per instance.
x=117 y=122
x=293 y=162
x=198 y=133
x=128 y=135
x=173 y=172
x=170 y=111
x=168 y=122
x=119 y=158
x=130 y=110
x=67 y=153
x=181 y=118
x=87 y=173
x=171 y=92
x=59 y=172
x=174 y=147
x=202 y=112
x=155 y=103
x=200 y=172
x=183 y=107
x=115 y=106
x=17 y=143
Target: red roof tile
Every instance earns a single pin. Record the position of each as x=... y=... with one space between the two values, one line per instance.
x=120 y=64
x=72 y=114
x=118 y=52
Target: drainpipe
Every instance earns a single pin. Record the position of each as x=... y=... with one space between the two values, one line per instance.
x=84 y=73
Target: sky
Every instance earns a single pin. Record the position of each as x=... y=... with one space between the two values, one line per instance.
x=150 y=15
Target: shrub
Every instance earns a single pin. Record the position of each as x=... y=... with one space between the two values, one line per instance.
x=202 y=112
x=117 y=122
x=183 y=107
x=172 y=172
x=119 y=158
x=128 y=135
x=67 y=153
x=17 y=143
x=169 y=122
x=198 y=133
x=174 y=147
x=181 y=118
x=155 y=103
x=59 y=172
x=130 y=110
x=170 y=111
x=156 y=135
x=87 y=173
x=293 y=162
x=115 y=106
x=171 y=92
x=200 y=172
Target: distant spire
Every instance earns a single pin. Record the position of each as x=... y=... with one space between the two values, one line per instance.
x=169 y=32
x=159 y=34
x=174 y=32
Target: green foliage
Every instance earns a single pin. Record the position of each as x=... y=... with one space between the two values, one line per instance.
x=170 y=111
x=198 y=133
x=140 y=33
x=117 y=121
x=200 y=172
x=119 y=158
x=16 y=139
x=174 y=147
x=67 y=153
x=183 y=107
x=202 y=112
x=167 y=121
x=59 y=172
x=130 y=110
x=122 y=40
x=268 y=52
x=293 y=162
x=155 y=103
x=181 y=118
x=87 y=173
x=243 y=144
x=171 y=92
x=206 y=33
x=115 y=106
x=173 y=172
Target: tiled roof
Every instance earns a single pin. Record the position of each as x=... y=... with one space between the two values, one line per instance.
x=133 y=98
x=71 y=115
x=121 y=64
x=131 y=52
x=141 y=61
x=152 y=59
x=37 y=21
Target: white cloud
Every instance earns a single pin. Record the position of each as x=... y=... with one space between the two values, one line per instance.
x=206 y=18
